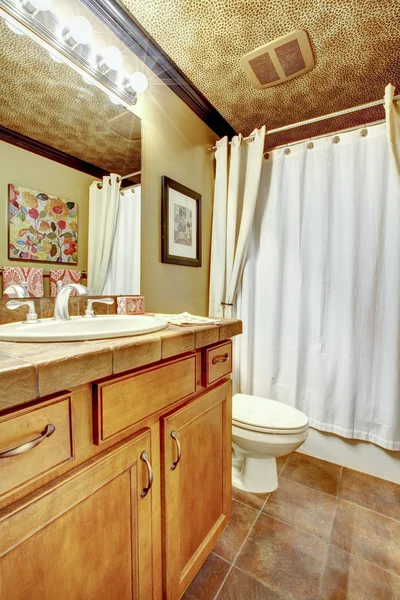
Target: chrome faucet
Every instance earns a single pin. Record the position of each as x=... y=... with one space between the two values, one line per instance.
x=89 y=312
x=61 y=312
x=31 y=317
x=17 y=290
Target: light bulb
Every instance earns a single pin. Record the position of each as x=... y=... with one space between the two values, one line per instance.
x=80 y=30
x=139 y=82
x=14 y=28
x=39 y=4
x=111 y=58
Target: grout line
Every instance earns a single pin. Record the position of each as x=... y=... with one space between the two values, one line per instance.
x=308 y=486
x=239 y=551
x=313 y=535
x=369 y=510
x=221 y=557
x=365 y=560
x=247 y=505
x=330 y=538
x=266 y=585
x=284 y=465
x=340 y=497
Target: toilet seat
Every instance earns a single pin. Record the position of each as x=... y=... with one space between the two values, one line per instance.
x=264 y=415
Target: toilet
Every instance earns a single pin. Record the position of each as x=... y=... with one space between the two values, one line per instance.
x=263 y=430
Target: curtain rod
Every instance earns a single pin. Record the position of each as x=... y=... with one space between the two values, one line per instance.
x=119 y=178
x=130 y=175
x=324 y=135
x=321 y=118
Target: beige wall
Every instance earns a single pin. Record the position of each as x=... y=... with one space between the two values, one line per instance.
x=24 y=168
x=175 y=143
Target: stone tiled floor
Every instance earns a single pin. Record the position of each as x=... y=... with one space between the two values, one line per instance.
x=326 y=533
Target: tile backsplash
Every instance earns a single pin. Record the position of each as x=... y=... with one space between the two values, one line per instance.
x=77 y=305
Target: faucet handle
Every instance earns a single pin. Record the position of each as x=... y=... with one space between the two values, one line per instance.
x=89 y=312
x=31 y=317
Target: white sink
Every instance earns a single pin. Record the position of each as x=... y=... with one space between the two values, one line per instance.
x=80 y=328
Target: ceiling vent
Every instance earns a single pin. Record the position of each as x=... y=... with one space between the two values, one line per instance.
x=284 y=58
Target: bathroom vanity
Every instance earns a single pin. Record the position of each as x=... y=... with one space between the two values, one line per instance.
x=115 y=468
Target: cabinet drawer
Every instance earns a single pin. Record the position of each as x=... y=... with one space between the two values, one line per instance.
x=217 y=363
x=120 y=403
x=25 y=431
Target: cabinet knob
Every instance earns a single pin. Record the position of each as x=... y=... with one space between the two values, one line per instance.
x=145 y=458
x=174 y=436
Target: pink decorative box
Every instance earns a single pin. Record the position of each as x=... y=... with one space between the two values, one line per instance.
x=130 y=305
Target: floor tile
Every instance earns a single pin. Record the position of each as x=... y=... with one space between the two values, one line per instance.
x=368 y=534
x=281 y=462
x=314 y=472
x=240 y=586
x=348 y=577
x=371 y=492
x=234 y=535
x=301 y=506
x=253 y=500
x=208 y=580
x=285 y=559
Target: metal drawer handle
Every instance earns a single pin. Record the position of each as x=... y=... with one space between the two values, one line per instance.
x=50 y=429
x=174 y=436
x=220 y=359
x=145 y=458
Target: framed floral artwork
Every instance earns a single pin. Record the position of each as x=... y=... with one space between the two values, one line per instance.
x=181 y=224
x=41 y=227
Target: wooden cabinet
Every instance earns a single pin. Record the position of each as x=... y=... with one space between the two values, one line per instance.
x=196 y=483
x=217 y=363
x=75 y=522
x=87 y=535
x=47 y=428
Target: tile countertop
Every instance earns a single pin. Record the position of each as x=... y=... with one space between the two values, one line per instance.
x=33 y=370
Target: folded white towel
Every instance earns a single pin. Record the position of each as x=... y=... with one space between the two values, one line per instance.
x=187 y=319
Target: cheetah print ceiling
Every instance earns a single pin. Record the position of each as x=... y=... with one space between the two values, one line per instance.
x=356 y=44
x=50 y=102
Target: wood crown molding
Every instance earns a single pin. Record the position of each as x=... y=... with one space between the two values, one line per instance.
x=26 y=143
x=121 y=22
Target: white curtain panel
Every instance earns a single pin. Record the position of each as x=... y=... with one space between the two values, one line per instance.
x=103 y=210
x=123 y=274
x=218 y=236
x=320 y=297
x=235 y=200
x=392 y=111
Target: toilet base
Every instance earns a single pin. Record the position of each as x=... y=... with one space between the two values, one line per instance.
x=256 y=475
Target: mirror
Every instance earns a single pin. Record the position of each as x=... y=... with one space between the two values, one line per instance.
x=59 y=134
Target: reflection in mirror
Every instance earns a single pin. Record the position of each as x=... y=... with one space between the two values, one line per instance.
x=61 y=137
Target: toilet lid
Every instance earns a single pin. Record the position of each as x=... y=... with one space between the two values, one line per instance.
x=263 y=414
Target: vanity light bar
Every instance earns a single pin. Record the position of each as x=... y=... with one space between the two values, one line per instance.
x=34 y=29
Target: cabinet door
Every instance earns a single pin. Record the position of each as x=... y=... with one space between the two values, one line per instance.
x=197 y=484
x=84 y=536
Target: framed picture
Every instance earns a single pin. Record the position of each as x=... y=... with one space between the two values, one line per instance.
x=41 y=227
x=180 y=224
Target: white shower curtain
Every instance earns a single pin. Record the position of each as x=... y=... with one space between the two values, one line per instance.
x=320 y=297
x=103 y=210
x=236 y=189
x=123 y=274
x=392 y=111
